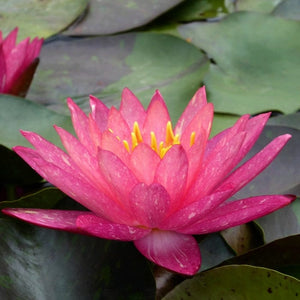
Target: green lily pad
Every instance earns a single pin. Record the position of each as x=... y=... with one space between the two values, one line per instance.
x=278 y=255
x=40 y=263
x=288 y=9
x=18 y=113
x=103 y=66
x=14 y=170
x=108 y=17
x=45 y=198
x=244 y=237
x=39 y=18
x=291 y=120
x=257 y=64
x=263 y=6
x=237 y=282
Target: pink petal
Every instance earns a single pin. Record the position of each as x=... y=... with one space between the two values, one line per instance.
x=10 y=41
x=2 y=70
x=118 y=126
x=48 y=151
x=156 y=119
x=87 y=163
x=143 y=163
x=174 y=251
x=194 y=211
x=238 y=212
x=195 y=156
x=118 y=176
x=15 y=63
x=131 y=109
x=81 y=125
x=226 y=134
x=99 y=112
x=110 y=143
x=217 y=166
x=96 y=226
x=172 y=173
x=253 y=127
x=197 y=102
x=149 y=204
x=254 y=166
x=75 y=185
x=49 y=218
x=202 y=120
x=95 y=135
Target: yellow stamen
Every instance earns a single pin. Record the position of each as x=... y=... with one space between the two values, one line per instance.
x=137 y=132
x=192 y=138
x=134 y=140
x=176 y=139
x=153 y=141
x=169 y=134
x=125 y=143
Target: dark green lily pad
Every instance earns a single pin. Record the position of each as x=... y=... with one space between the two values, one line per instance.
x=263 y=6
x=39 y=18
x=44 y=198
x=279 y=254
x=103 y=66
x=244 y=237
x=18 y=113
x=108 y=17
x=14 y=170
x=291 y=120
x=257 y=62
x=288 y=9
x=237 y=282
x=47 y=264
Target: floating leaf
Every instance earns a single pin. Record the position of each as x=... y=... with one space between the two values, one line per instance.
x=257 y=63
x=278 y=255
x=288 y=9
x=18 y=113
x=46 y=264
x=237 y=282
x=107 y=17
x=243 y=238
x=45 y=198
x=39 y=18
x=103 y=66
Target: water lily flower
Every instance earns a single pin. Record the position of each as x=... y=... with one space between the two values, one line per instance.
x=17 y=63
x=147 y=182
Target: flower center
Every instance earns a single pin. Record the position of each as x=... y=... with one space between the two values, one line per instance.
x=160 y=148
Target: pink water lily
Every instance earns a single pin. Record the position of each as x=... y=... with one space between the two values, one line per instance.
x=145 y=182
x=17 y=63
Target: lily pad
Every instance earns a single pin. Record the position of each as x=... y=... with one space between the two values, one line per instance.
x=237 y=282
x=257 y=64
x=41 y=263
x=108 y=17
x=291 y=120
x=278 y=254
x=288 y=9
x=103 y=66
x=39 y=18
x=17 y=113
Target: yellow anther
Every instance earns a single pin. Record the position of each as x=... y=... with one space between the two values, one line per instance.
x=169 y=134
x=163 y=151
x=134 y=140
x=176 y=139
x=192 y=138
x=137 y=132
x=110 y=130
x=161 y=147
x=125 y=143
x=153 y=141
